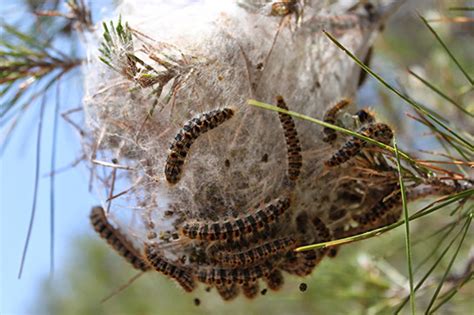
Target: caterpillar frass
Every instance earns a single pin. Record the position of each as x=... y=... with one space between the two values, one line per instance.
x=160 y=264
x=116 y=239
x=186 y=136
x=295 y=159
x=379 y=131
x=234 y=229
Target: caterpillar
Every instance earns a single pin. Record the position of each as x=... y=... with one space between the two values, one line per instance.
x=253 y=255
x=330 y=135
x=295 y=158
x=380 y=132
x=182 y=276
x=116 y=239
x=236 y=228
x=187 y=135
x=379 y=210
x=323 y=234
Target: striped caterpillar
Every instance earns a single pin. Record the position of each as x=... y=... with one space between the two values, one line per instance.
x=180 y=274
x=236 y=228
x=379 y=131
x=187 y=135
x=256 y=254
x=292 y=142
x=378 y=212
x=116 y=239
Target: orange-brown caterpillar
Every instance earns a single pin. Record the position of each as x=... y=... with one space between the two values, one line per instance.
x=380 y=132
x=274 y=280
x=116 y=239
x=330 y=117
x=220 y=276
x=228 y=292
x=187 y=135
x=295 y=158
x=256 y=254
x=180 y=274
x=236 y=228
x=250 y=289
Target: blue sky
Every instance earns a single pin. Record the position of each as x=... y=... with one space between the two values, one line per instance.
x=17 y=169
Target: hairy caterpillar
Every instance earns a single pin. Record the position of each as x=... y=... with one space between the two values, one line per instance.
x=187 y=135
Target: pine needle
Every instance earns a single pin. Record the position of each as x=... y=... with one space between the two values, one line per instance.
x=448 y=51
x=407 y=228
x=438 y=289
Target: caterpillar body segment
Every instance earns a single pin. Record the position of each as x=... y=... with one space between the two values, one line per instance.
x=116 y=239
x=228 y=292
x=250 y=289
x=274 y=280
x=379 y=131
x=186 y=136
x=234 y=229
x=181 y=275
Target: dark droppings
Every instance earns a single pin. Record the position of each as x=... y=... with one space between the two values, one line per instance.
x=303 y=287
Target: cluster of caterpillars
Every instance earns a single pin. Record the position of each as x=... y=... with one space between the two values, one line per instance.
x=234 y=254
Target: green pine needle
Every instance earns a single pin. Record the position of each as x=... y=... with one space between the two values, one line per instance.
x=438 y=289
x=441 y=93
x=448 y=51
x=407 y=228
